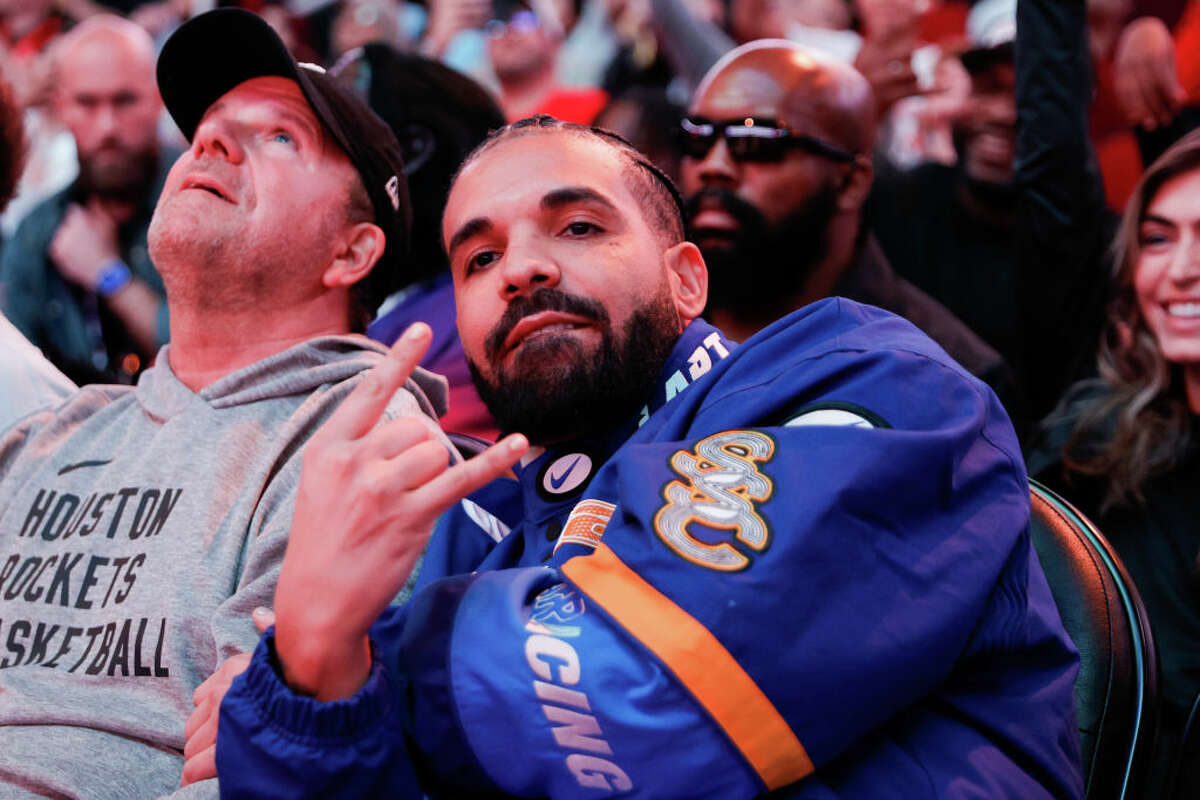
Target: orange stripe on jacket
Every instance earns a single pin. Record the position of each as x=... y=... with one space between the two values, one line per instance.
x=699 y=661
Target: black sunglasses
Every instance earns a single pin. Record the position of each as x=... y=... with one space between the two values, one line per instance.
x=752 y=139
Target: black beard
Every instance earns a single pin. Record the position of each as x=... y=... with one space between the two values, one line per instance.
x=128 y=183
x=763 y=263
x=554 y=391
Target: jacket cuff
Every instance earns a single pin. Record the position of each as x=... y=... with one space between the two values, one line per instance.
x=305 y=718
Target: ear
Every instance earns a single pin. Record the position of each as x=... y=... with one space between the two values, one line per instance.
x=689 y=280
x=358 y=248
x=856 y=185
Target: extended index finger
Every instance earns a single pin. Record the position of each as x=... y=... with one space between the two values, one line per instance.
x=363 y=407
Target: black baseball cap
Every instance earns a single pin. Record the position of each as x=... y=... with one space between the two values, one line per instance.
x=214 y=52
x=439 y=116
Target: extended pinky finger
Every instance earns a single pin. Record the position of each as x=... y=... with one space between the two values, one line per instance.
x=460 y=480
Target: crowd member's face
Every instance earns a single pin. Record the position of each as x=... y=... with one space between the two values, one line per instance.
x=521 y=45
x=1167 y=272
x=566 y=308
x=361 y=22
x=22 y=16
x=987 y=127
x=775 y=189
x=766 y=221
x=107 y=99
x=260 y=194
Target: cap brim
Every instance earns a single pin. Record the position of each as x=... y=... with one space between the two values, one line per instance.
x=212 y=53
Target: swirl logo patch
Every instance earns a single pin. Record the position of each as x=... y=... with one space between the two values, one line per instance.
x=719 y=488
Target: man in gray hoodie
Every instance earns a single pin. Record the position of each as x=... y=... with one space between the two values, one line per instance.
x=140 y=526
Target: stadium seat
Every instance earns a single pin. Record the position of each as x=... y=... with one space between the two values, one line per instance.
x=1116 y=692
x=1186 y=769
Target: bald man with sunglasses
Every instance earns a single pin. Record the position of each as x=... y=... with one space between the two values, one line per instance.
x=777 y=166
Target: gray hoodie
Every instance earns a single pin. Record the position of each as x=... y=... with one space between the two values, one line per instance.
x=139 y=527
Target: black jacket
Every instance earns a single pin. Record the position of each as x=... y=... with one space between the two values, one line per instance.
x=1064 y=227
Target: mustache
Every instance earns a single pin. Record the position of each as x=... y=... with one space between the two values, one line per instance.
x=746 y=214
x=112 y=144
x=540 y=300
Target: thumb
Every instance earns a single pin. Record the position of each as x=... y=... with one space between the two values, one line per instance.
x=263 y=618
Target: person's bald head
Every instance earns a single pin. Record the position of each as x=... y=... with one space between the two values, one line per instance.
x=778 y=141
x=808 y=91
x=107 y=96
x=106 y=30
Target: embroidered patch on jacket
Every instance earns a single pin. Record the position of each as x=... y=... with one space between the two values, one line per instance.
x=586 y=523
x=720 y=487
x=564 y=476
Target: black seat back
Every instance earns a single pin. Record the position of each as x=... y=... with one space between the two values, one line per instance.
x=1186 y=766
x=1116 y=692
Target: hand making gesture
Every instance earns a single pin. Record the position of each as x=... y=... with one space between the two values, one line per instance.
x=370 y=492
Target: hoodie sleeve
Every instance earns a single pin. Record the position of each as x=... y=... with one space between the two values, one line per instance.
x=819 y=581
x=232 y=626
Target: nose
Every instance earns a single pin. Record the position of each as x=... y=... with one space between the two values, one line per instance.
x=526 y=268
x=214 y=138
x=1185 y=262
x=105 y=120
x=718 y=166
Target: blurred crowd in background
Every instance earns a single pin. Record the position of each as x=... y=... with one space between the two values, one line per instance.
x=941 y=73
x=632 y=65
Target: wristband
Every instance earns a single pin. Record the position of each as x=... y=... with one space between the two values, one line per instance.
x=113 y=278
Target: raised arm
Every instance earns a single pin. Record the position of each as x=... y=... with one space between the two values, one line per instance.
x=692 y=44
x=1064 y=225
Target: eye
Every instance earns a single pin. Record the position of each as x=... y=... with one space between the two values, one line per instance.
x=283 y=137
x=1154 y=238
x=481 y=261
x=581 y=228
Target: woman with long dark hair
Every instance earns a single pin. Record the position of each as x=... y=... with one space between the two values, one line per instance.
x=1124 y=446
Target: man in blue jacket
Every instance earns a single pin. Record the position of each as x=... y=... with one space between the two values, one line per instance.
x=799 y=565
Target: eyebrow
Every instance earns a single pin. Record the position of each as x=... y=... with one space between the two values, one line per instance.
x=299 y=120
x=551 y=201
x=473 y=228
x=317 y=132
x=571 y=195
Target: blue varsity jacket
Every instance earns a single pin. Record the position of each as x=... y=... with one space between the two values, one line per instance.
x=804 y=569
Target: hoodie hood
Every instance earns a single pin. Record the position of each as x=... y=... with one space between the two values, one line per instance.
x=300 y=369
